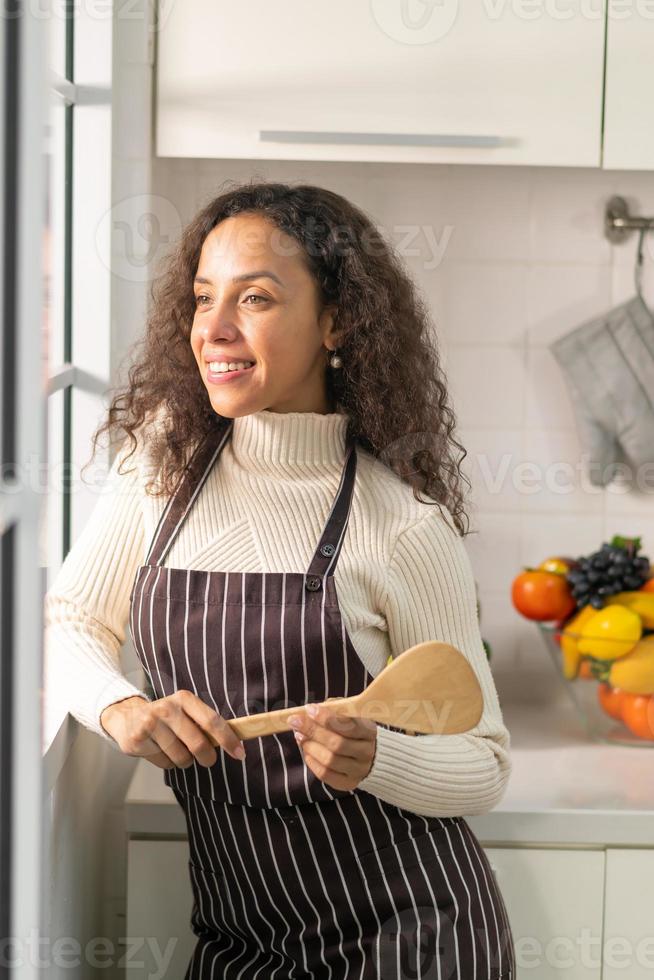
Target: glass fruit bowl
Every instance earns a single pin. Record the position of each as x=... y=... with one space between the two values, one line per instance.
x=584 y=693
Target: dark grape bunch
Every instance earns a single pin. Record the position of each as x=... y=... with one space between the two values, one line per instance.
x=616 y=567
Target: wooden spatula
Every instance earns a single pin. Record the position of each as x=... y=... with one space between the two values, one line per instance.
x=429 y=688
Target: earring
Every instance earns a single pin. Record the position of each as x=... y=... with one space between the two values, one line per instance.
x=335 y=361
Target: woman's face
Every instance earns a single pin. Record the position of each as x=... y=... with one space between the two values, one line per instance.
x=255 y=300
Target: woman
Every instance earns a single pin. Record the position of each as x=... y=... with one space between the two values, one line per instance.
x=285 y=412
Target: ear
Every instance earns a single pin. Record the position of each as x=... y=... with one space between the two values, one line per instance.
x=330 y=333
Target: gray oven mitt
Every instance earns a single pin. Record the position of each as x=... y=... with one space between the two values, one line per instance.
x=608 y=364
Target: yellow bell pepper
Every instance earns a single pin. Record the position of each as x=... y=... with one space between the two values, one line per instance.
x=639 y=602
x=611 y=633
x=570 y=636
x=635 y=672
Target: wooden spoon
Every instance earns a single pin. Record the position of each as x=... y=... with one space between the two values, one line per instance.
x=429 y=688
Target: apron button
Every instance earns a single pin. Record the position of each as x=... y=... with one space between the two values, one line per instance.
x=328 y=550
x=313 y=584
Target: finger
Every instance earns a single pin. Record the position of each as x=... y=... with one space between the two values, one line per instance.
x=338 y=745
x=331 y=734
x=184 y=730
x=340 y=764
x=212 y=723
x=161 y=760
x=146 y=736
x=327 y=775
x=354 y=727
x=172 y=745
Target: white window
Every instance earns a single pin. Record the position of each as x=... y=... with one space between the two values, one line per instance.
x=23 y=109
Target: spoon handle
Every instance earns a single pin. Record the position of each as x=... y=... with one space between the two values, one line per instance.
x=268 y=722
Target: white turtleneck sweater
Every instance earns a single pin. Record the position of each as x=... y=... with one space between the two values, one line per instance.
x=403 y=576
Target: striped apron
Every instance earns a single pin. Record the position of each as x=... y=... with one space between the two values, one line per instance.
x=290 y=877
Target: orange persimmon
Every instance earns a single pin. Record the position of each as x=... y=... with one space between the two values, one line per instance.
x=542 y=595
x=611 y=699
x=638 y=714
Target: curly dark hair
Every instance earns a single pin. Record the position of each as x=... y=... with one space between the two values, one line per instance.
x=391 y=384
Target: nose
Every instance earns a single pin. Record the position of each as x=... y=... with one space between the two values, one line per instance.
x=217 y=324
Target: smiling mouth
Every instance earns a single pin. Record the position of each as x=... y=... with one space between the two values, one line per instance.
x=215 y=370
x=218 y=376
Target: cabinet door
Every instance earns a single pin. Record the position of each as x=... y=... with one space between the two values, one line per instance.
x=629 y=915
x=159 y=902
x=628 y=126
x=382 y=80
x=554 y=902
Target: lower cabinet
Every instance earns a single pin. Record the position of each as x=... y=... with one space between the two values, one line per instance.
x=568 y=909
x=629 y=914
x=159 y=938
x=554 y=898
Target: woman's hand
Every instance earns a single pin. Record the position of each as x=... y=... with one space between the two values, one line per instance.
x=171 y=731
x=339 y=750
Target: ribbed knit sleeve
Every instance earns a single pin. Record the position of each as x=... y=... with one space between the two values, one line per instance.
x=87 y=606
x=430 y=595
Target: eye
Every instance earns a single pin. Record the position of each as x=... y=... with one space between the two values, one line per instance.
x=255 y=296
x=200 y=297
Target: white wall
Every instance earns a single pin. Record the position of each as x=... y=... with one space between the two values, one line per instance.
x=509 y=258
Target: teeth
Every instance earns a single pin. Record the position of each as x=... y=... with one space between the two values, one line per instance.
x=222 y=367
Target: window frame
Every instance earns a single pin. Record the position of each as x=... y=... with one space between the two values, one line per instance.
x=22 y=175
x=28 y=91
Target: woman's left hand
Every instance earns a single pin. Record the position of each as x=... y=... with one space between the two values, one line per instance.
x=338 y=749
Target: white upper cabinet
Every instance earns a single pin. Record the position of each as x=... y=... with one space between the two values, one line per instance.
x=480 y=81
x=629 y=121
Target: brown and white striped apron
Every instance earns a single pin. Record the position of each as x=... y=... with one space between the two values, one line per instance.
x=291 y=878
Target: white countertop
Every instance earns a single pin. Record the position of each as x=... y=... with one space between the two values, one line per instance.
x=564 y=789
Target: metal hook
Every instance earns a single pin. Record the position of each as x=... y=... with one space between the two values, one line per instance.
x=618 y=225
x=638 y=269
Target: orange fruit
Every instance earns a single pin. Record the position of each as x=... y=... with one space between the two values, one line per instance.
x=557 y=564
x=611 y=700
x=638 y=714
x=542 y=595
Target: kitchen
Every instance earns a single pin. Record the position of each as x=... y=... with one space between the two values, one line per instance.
x=503 y=151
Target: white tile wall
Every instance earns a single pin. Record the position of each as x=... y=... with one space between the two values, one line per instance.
x=509 y=258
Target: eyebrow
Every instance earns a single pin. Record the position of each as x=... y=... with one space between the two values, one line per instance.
x=258 y=274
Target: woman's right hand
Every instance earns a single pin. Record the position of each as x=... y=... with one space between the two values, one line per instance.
x=170 y=731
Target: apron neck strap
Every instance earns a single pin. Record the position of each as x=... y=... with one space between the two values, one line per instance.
x=326 y=555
